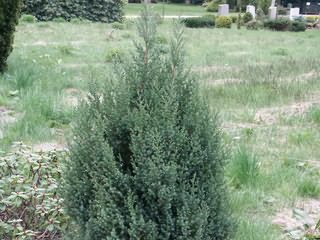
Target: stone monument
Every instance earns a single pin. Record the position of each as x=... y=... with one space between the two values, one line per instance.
x=223 y=10
x=273 y=10
x=251 y=9
x=294 y=13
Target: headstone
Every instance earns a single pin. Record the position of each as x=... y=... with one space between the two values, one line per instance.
x=251 y=9
x=294 y=13
x=272 y=13
x=223 y=10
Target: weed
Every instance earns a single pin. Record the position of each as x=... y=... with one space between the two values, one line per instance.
x=66 y=49
x=314 y=115
x=115 y=54
x=28 y=18
x=244 y=168
x=308 y=188
x=300 y=138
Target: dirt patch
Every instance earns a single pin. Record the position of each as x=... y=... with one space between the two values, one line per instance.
x=238 y=53
x=48 y=147
x=73 y=96
x=219 y=82
x=230 y=126
x=44 y=43
x=213 y=69
x=297 y=221
x=307 y=76
x=82 y=65
x=302 y=77
x=273 y=114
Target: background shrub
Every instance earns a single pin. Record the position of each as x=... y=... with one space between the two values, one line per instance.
x=260 y=16
x=147 y=160
x=298 y=25
x=247 y=17
x=280 y=24
x=254 y=25
x=9 y=16
x=93 y=10
x=282 y=11
x=30 y=206
x=200 y=22
x=115 y=54
x=312 y=19
x=264 y=5
x=223 y=22
x=234 y=18
x=213 y=6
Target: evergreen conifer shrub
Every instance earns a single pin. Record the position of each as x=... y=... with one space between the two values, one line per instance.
x=9 y=15
x=146 y=161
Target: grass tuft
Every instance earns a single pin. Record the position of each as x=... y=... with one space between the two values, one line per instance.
x=244 y=169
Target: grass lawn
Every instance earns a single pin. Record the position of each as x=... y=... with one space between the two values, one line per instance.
x=266 y=86
x=167 y=9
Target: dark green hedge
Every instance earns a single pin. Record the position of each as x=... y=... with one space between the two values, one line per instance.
x=200 y=22
x=93 y=10
x=284 y=24
x=9 y=14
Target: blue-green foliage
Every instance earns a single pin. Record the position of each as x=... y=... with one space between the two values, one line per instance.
x=147 y=160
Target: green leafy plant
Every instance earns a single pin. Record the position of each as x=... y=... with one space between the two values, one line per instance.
x=147 y=160
x=234 y=18
x=264 y=5
x=115 y=54
x=9 y=16
x=30 y=205
x=298 y=25
x=247 y=17
x=223 y=22
x=213 y=6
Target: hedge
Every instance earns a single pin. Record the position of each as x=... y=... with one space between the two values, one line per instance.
x=93 y=10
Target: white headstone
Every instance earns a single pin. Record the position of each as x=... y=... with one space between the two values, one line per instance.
x=223 y=10
x=272 y=13
x=294 y=13
x=251 y=9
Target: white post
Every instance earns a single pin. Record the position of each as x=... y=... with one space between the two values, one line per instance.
x=223 y=10
x=273 y=10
